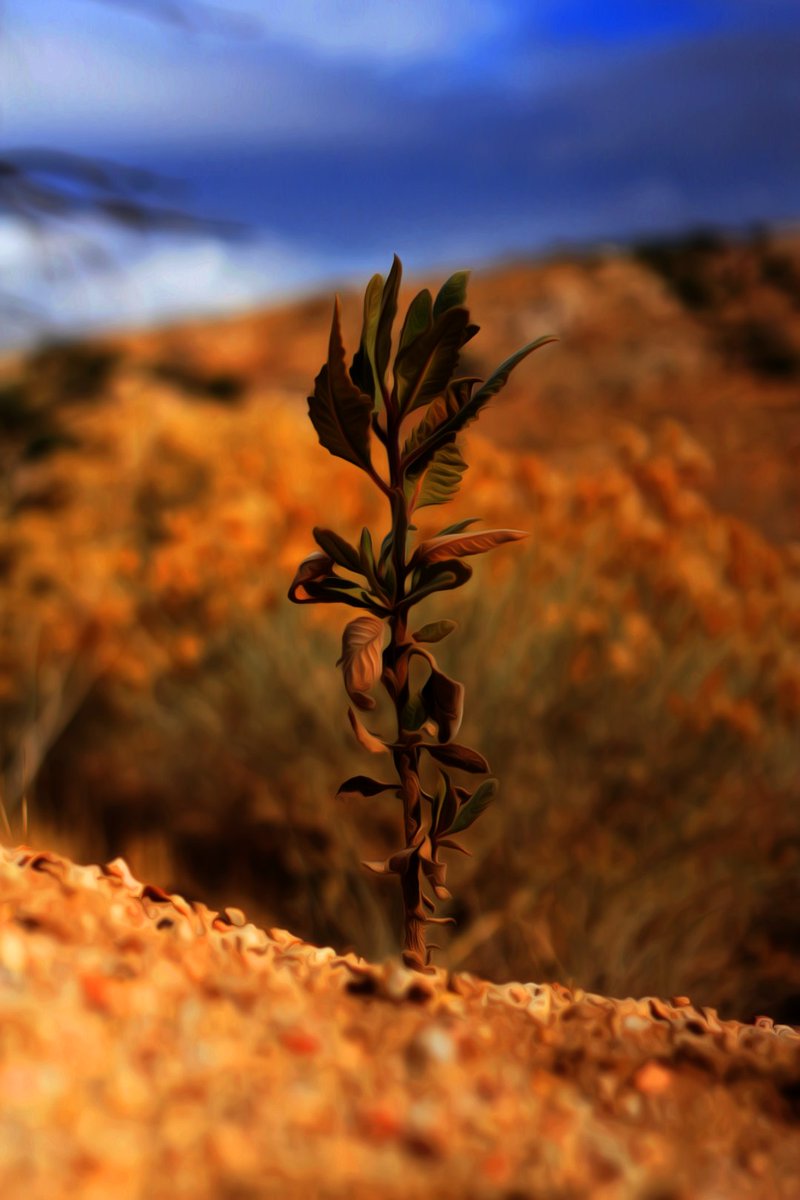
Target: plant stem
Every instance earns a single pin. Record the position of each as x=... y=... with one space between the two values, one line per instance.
x=406 y=759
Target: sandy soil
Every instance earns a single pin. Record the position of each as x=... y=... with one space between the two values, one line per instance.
x=153 y=1048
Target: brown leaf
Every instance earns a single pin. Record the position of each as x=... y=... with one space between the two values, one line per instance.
x=440 y=548
x=363 y=785
x=362 y=658
x=378 y=867
x=340 y=412
x=368 y=740
x=434 y=631
x=451 y=844
x=454 y=755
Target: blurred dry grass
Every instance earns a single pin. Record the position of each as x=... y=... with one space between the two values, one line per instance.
x=633 y=676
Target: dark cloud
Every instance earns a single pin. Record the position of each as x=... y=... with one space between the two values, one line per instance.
x=701 y=131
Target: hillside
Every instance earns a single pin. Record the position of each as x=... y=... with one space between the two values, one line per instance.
x=633 y=670
x=704 y=331
x=157 y=1048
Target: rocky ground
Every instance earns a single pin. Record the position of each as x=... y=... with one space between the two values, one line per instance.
x=153 y=1048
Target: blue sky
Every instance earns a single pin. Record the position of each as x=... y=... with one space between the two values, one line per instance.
x=451 y=131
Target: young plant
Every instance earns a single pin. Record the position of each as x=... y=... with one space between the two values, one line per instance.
x=416 y=420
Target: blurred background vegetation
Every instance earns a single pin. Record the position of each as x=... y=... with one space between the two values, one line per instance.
x=633 y=672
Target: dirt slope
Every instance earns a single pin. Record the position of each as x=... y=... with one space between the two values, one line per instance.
x=152 y=1048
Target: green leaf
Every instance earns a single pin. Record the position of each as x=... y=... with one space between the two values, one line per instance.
x=452 y=293
x=443 y=478
x=367 y=560
x=389 y=577
x=338 y=549
x=459 y=527
x=441 y=409
x=444 y=421
x=438 y=577
x=419 y=319
x=386 y=549
x=435 y=631
x=388 y=312
x=414 y=714
x=423 y=370
x=363 y=372
x=316 y=583
x=326 y=593
x=499 y=378
x=339 y=411
x=445 y=805
x=469 y=812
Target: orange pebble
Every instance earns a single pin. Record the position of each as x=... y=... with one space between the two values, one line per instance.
x=97 y=991
x=653 y=1079
x=496 y=1167
x=300 y=1041
x=380 y=1122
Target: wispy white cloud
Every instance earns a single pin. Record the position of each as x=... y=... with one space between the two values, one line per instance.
x=70 y=68
x=68 y=86
x=385 y=31
x=94 y=276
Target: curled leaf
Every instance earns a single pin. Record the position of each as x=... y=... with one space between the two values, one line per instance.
x=444 y=702
x=368 y=740
x=317 y=566
x=316 y=583
x=361 y=660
